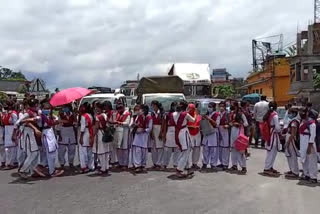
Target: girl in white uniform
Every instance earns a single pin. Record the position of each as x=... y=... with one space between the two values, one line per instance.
x=291 y=150
x=143 y=128
x=195 y=134
x=183 y=139
x=67 y=136
x=9 y=120
x=31 y=140
x=100 y=148
x=170 y=146
x=274 y=145
x=224 y=138
x=157 y=144
x=238 y=122
x=121 y=136
x=49 y=141
x=211 y=142
x=308 y=150
x=2 y=148
x=86 y=140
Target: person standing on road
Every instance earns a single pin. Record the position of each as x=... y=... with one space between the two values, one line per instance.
x=9 y=119
x=100 y=148
x=121 y=136
x=224 y=136
x=183 y=139
x=273 y=146
x=67 y=138
x=170 y=145
x=2 y=148
x=195 y=134
x=259 y=110
x=49 y=141
x=308 y=150
x=291 y=150
x=31 y=139
x=86 y=139
x=143 y=128
x=238 y=124
x=157 y=145
x=211 y=141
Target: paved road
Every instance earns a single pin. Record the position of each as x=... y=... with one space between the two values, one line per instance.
x=156 y=193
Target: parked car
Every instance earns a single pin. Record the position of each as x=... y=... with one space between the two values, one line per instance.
x=114 y=98
x=202 y=104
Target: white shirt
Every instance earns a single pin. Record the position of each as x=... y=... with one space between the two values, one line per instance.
x=260 y=109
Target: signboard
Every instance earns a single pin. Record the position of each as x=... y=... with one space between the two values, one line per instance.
x=316 y=38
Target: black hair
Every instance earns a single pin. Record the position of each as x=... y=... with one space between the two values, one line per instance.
x=173 y=106
x=145 y=109
x=243 y=103
x=183 y=105
x=263 y=97
x=99 y=105
x=222 y=103
x=158 y=104
x=272 y=107
x=213 y=104
x=294 y=111
x=107 y=105
x=32 y=102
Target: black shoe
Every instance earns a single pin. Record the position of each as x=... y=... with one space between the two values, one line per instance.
x=313 y=181
x=243 y=171
x=305 y=178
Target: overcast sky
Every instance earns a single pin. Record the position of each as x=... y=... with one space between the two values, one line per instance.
x=104 y=42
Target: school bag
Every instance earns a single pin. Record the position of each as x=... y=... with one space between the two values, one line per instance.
x=265 y=128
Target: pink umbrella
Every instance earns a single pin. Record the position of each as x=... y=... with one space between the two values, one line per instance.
x=69 y=95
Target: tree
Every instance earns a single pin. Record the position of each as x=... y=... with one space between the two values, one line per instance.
x=225 y=91
x=316 y=80
x=8 y=74
x=3 y=97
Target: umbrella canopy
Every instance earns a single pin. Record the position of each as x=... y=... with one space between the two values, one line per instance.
x=69 y=95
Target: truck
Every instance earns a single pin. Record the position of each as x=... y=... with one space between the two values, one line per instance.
x=165 y=89
x=196 y=78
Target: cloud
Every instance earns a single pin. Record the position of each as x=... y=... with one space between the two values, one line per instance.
x=97 y=42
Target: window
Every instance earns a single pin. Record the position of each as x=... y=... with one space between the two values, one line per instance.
x=305 y=72
x=261 y=91
x=203 y=90
x=188 y=90
x=298 y=72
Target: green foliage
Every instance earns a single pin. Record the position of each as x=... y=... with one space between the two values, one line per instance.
x=3 y=97
x=316 y=80
x=8 y=74
x=225 y=91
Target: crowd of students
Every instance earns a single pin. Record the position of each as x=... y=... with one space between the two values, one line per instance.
x=33 y=135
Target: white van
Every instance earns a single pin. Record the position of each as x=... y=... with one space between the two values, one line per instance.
x=114 y=98
x=164 y=98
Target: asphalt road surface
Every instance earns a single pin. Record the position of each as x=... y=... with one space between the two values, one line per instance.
x=157 y=192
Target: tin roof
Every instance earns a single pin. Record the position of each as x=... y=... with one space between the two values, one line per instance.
x=11 y=85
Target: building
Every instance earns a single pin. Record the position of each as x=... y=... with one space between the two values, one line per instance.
x=273 y=80
x=14 y=88
x=220 y=75
x=304 y=64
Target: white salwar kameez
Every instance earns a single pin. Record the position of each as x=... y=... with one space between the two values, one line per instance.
x=211 y=145
x=274 y=145
x=49 y=143
x=10 y=147
x=85 y=150
x=185 y=141
x=309 y=161
x=291 y=151
x=140 y=146
x=224 y=142
x=238 y=158
x=170 y=147
x=2 y=148
x=67 y=144
x=121 y=140
x=101 y=149
x=29 y=145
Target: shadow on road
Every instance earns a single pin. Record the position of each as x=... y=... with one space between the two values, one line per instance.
x=270 y=176
x=308 y=184
x=175 y=177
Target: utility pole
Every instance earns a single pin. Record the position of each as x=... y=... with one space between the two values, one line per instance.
x=316 y=11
